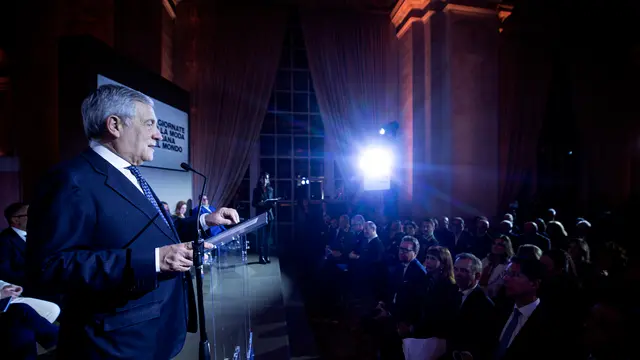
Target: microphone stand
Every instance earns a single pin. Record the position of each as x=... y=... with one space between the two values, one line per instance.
x=198 y=254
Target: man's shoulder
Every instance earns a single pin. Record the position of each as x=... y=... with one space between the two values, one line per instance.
x=7 y=234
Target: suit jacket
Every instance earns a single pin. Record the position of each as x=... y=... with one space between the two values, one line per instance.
x=465 y=243
x=408 y=289
x=475 y=326
x=539 y=338
x=214 y=230
x=92 y=237
x=258 y=199
x=12 y=257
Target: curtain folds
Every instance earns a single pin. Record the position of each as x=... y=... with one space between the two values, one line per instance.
x=525 y=80
x=353 y=59
x=230 y=86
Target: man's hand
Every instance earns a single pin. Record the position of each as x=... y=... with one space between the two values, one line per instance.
x=10 y=290
x=222 y=216
x=354 y=256
x=178 y=257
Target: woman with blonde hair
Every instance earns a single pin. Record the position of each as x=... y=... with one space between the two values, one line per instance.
x=427 y=338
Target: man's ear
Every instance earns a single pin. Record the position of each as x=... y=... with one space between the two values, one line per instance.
x=114 y=126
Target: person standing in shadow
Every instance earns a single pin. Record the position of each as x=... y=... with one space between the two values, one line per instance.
x=264 y=202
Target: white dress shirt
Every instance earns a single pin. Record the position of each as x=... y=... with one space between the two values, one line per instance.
x=122 y=165
x=21 y=233
x=525 y=314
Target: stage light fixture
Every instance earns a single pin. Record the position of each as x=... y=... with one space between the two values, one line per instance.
x=382 y=131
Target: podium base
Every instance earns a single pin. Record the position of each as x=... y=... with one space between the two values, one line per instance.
x=205 y=350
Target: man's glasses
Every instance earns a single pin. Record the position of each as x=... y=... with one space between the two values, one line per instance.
x=20 y=216
x=404 y=250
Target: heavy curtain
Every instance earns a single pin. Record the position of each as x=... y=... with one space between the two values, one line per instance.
x=525 y=80
x=353 y=59
x=227 y=57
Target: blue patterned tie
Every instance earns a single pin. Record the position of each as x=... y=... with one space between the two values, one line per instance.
x=147 y=191
x=508 y=334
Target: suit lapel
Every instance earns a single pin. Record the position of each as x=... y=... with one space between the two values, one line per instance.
x=18 y=243
x=129 y=192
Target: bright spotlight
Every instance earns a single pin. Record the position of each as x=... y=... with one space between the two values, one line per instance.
x=382 y=131
x=376 y=162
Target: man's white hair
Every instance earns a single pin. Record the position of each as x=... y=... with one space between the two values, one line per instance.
x=110 y=100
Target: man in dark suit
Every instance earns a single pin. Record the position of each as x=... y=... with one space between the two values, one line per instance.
x=528 y=331
x=207 y=209
x=461 y=241
x=98 y=236
x=405 y=297
x=475 y=324
x=13 y=244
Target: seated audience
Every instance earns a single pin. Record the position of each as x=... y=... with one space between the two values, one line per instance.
x=13 y=244
x=21 y=328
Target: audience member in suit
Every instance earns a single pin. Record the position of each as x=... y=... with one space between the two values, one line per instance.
x=13 y=244
x=21 y=329
x=506 y=229
x=427 y=238
x=407 y=291
x=461 y=241
x=344 y=242
x=396 y=234
x=98 y=236
x=366 y=262
x=475 y=324
x=441 y=304
x=482 y=239
x=531 y=236
x=261 y=194
x=357 y=228
x=443 y=232
x=207 y=209
x=528 y=331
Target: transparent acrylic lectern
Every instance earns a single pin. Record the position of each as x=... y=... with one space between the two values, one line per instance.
x=228 y=302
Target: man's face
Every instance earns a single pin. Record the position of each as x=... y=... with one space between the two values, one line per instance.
x=406 y=252
x=428 y=227
x=344 y=222
x=205 y=201
x=135 y=143
x=482 y=227
x=19 y=219
x=457 y=226
x=368 y=231
x=465 y=278
x=444 y=222
x=410 y=230
x=516 y=283
x=166 y=208
x=357 y=226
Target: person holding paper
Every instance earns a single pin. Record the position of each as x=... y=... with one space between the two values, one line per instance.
x=98 y=236
x=264 y=202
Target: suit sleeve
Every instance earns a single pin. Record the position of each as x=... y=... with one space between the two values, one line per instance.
x=60 y=255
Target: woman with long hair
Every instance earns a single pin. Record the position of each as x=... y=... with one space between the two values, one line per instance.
x=180 y=211
x=494 y=265
x=443 y=298
x=262 y=193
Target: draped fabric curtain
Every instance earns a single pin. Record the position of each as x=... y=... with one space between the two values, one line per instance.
x=353 y=59
x=229 y=64
x=525 y=80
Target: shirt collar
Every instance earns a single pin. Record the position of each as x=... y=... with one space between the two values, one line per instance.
x=21 y=233
x=466 y=293
x=109 y=156
x=527 y=310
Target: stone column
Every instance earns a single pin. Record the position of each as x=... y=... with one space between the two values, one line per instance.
x=449 y=97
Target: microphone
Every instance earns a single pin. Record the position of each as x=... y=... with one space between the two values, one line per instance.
x=188 y=167
x=198 y=250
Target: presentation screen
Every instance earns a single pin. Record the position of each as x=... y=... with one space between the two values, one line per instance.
x=174 y=127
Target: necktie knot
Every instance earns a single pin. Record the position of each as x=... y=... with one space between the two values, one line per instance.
x=135 y=171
